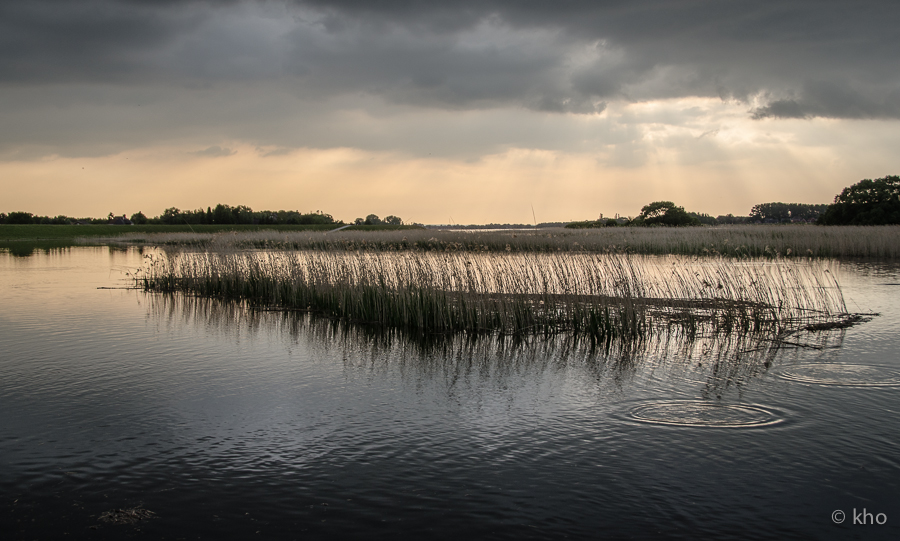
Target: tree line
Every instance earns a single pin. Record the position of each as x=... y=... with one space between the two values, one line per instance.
x=23 y=218
x=868 y=202
x=220 y=214
x=662 y=213
x=373 y=219
x=240 y=214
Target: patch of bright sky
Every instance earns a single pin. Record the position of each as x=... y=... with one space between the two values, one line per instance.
x=705 y=154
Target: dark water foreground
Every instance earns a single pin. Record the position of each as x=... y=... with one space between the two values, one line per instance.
x=127 y=415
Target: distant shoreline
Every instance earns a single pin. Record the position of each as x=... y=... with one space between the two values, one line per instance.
x=37 y=232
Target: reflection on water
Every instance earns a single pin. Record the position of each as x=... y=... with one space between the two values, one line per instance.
x=26 y=248
x=224 y=421
x=713 y=363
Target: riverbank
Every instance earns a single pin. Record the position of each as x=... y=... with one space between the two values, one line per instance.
x=58 y=232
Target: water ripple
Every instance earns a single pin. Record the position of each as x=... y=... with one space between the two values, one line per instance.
x=842 y=375
x=699 y=413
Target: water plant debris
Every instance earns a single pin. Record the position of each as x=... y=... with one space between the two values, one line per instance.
x=127 y=516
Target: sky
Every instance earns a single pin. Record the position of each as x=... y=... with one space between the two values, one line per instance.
x=481 y=111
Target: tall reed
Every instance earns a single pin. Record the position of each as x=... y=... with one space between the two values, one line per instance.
x=602 y=296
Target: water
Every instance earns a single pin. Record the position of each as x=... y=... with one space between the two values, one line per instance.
x=226 y=422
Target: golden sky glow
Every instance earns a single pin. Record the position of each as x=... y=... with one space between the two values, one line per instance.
x=468 y=115
x=722 y=164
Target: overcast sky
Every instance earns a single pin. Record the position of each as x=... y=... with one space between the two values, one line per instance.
x=471 y=111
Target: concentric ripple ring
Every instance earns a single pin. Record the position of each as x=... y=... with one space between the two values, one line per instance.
x=699 y=413
x=842 y=375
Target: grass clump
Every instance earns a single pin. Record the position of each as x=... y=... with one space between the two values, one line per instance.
x=601 y=296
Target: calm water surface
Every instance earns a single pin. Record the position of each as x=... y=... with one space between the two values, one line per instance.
x=230 y=423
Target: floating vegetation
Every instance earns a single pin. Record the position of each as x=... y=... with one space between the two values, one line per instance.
x=127 y=516
x=600 y=296
x=842 y=323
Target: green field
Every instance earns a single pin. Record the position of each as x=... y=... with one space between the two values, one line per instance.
x=71 y=232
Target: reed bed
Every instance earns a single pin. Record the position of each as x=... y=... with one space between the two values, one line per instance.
x=601 y=296
x=754 y=241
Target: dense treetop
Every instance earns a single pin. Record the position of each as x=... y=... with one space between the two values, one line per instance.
x=786 y=212
x=868 y=202
x=241 y=214
x=665 y=213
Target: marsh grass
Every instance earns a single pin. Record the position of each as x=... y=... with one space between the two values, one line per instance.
x=600 y=296
x=741 y=241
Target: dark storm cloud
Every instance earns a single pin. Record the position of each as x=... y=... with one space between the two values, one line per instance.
x=830 y=99
x=188 y=43
x=561 y=56
x=483 y=65
x=57 y=41
x=734 y=49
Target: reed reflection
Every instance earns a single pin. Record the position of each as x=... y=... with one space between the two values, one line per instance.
x=708 y=364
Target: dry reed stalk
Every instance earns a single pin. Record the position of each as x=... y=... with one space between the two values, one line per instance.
x=600 y=295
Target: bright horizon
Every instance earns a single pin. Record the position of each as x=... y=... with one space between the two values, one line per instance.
x=473 y=114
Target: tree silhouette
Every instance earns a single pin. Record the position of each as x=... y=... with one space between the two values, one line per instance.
x=665 y=213
x=868 y=202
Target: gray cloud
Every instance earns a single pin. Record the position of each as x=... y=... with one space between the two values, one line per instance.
x=827 y=99
x=468 y=53
x=105 y=73
x=55 y=41
x=274 y=152
x=736 y=49
x=215 y=152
